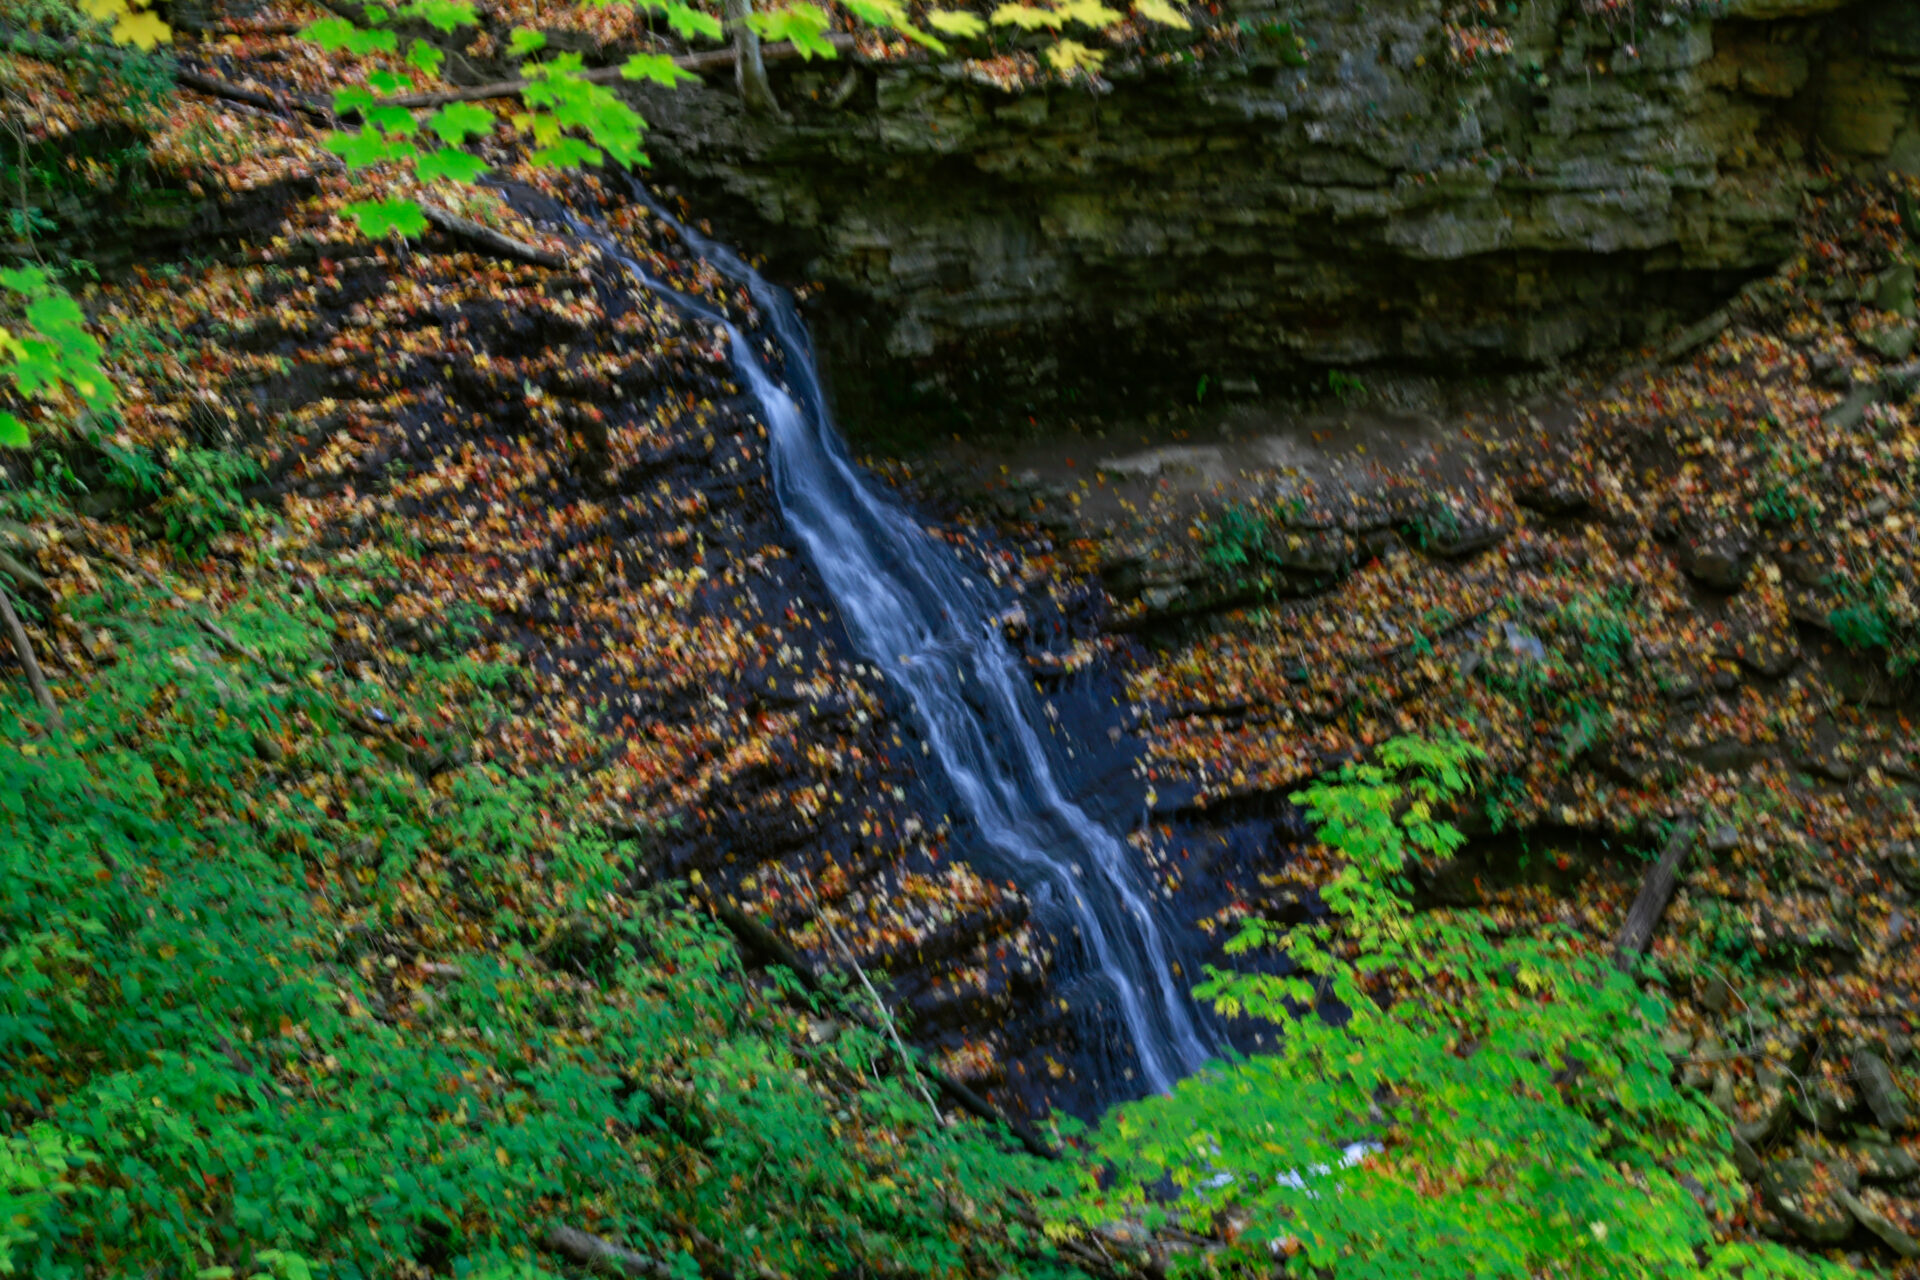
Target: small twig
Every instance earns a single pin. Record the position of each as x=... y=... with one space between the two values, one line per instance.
x=35 y=680
x=880 y=1006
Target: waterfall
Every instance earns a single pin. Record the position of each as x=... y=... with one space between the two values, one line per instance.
x=930 y=626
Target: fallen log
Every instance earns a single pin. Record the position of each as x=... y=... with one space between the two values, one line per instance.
x=30 y=664
x=497 y=243
x=214 y=87
x=1655 y=890
x=604 y=1256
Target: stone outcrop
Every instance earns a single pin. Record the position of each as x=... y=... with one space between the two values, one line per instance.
x=1238 y=211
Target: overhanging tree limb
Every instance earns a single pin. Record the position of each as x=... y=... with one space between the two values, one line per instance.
x=698 y=63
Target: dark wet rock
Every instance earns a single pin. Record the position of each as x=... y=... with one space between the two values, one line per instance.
x=1895 y=342
x=1879 y=1160
x=1453 y=533
x=1720 y=561
x=1820 y=1107
x=1902 y=859
x=1770 y=653
x=1554 y=495
x=1769 y=1123
x=1893 y=291
x=1880 y=1224
x=1793 y=1192
x=1881 y=1092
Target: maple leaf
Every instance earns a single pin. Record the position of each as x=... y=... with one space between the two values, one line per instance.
x=447 y=162
x=458 y=121
x=140 y=28
x=690 y=22
x=803 y=26
x=1024 y=16
x=956 y=22
x=655 y=67
x=378 y=217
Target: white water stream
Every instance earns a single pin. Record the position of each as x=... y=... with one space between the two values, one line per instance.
x=931 y=627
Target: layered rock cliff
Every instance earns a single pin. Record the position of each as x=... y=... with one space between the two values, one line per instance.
x=1330 y=184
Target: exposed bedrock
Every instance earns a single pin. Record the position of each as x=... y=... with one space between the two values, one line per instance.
x=1244 y=218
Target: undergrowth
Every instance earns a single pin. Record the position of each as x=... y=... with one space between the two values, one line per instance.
x=281 y=994
x=1449 y=1099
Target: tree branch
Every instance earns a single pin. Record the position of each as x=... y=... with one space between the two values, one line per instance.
x=698 y=63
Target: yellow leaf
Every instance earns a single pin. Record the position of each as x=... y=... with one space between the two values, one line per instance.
x=1161 y=12
x=1024 y=16
x=142 y=30
x=1071 y=55
x=955 y=23
x=1088 y=13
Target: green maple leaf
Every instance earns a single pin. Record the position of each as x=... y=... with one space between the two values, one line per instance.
x=443 y=15
x=329 y=33
x=378 y=217
x=803 y=26
x=448 y=163
x=427 y=57
x=13 y=432
x=689 y=22
x=655 y=67
x=458 y=121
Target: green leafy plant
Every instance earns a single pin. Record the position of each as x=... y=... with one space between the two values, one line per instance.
x=285 y=1002
x=1446 y=1099
x=1875 y=613
x=46 y=353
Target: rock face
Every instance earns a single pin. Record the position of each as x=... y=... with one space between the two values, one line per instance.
x=1249 y=212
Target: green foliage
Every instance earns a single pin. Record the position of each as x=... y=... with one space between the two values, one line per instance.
x=1346 y=387
x=1603 y=630
x=1515 y=1116
x=281 y=1001
x=1245 y=544
x=46 y=353
x=1875 y=613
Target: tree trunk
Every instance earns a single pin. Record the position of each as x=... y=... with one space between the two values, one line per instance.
x=749 y=69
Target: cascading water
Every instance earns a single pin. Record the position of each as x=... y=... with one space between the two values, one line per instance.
x=931 y=628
